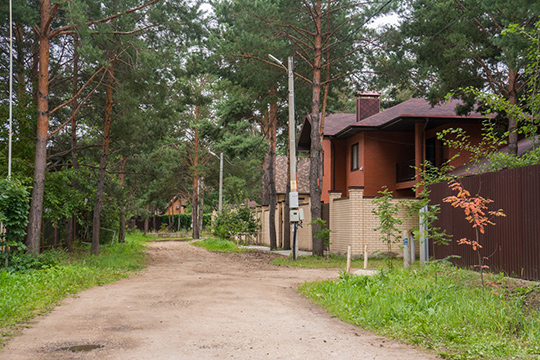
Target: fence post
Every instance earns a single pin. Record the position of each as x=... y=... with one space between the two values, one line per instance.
x=411 y=243
x=348 y=259
x=406 y=251
x=424 y=241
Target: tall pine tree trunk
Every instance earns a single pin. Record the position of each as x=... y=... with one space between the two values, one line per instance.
x=272 y=128
x=195 y=208
x=146 y=219
x=96 y=220
x=265 y=181
x=512 y=122
x=315 y=178
x=40 y=161
x=72 y=221
x=201 y=205
x=122 y=230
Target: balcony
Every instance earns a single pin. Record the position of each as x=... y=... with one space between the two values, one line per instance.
x=405 y=171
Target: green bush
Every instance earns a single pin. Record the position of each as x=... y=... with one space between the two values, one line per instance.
x=232 y=221
x=14 y=205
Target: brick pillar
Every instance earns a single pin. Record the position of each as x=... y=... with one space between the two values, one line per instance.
x=333 y=195
x=356 y=196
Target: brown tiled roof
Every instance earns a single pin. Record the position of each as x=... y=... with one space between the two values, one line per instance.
x=416 y=108
x=333 y=123
x=412 y=108
x=340 y=124
x=282 y=170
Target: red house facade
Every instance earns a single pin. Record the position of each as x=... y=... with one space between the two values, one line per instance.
x=372 y=149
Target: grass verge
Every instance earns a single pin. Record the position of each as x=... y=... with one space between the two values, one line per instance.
x=26 y=294
x=219 y=245
x=156 y=238
x=439 y=307
x=333 y=261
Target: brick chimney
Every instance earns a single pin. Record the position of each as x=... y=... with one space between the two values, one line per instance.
x=367 y=104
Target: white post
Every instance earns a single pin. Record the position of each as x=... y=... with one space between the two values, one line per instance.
x=406 y=251
x=349 y=259
x=220 y=182
x=413 y=250
x=365 y=257
x=424 y=243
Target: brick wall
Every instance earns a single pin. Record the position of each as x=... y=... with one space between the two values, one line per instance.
x=352 y=223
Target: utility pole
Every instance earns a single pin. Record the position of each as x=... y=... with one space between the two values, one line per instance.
x=293 y=195
x=296 y=214
x=220 y=182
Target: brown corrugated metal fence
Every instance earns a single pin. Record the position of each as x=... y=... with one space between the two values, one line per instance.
x=512 y=245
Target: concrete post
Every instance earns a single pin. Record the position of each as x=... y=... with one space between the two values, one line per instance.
x=406 y=251
x=424 y=241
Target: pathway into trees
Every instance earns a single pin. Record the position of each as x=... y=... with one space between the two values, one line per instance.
x=192 y=304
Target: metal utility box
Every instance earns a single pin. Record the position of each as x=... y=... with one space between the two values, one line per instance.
x=297 y=215
x=293 y=199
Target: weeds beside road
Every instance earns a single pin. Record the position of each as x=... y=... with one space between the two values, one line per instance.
x=439 y=308
x=54 y=275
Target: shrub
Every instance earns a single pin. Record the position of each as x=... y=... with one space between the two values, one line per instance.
x=13 y=214
x=233 y=221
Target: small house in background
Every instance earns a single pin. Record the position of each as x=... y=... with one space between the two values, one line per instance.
x=176 y=206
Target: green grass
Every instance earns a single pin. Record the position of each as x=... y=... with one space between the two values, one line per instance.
x=219 y=245
x=443 y=310
x=154 y=238
x=26 y=294
x=334 y=261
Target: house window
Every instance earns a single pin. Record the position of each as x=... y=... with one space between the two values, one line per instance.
x=354 y=157
x=435 y=151
x=177 y=207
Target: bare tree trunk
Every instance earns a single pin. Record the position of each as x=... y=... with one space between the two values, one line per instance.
x=40 y=161
x=96 y=221
x=146 y=219
x=315 y=178
x=201 y=206
x=122 y=230
x=272 y=128
x=265 y=181
x=512 y=122
x=71 y=223
x=195 y=209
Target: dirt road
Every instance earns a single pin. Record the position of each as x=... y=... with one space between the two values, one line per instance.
x=193 y=304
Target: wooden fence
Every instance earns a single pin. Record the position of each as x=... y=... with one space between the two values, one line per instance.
x=513 y=244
